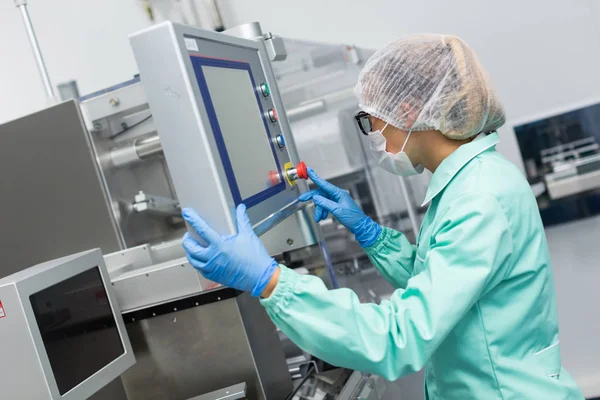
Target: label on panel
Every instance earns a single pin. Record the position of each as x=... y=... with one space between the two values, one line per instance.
x=191 y=44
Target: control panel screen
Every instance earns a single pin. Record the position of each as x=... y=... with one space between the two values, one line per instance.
x=78 y=328
x=242 y=127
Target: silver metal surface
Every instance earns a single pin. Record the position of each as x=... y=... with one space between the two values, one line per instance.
x=136 y=151
x=251 y=30
x=68 y=90
x=198 y=350
x=124 y=137
x=128 y=259
x=148 y=147
x=145 y=287
x=156 y=205
x=296 y=229
x=276 y=48
x=35 y=47
x=25 y=369
x=270 y=221
x=166 y=251
x=292 y=174
x=351 y=386
x=56 y=202
x=146 y=276
x=124 y=156
x=230 y=393
x=124 y=99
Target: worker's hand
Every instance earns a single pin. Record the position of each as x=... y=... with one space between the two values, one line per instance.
x=238 y=261
x=331 y=199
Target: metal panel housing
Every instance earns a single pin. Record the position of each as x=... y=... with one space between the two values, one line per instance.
x=184 y=124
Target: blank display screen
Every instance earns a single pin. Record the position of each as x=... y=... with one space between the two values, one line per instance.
x=242 y=126
x=78 y=328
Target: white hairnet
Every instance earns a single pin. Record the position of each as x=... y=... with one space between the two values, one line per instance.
x=430 y=82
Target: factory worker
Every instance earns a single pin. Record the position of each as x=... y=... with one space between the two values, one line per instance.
x=475 y=299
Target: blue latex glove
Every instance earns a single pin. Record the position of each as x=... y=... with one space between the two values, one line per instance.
x=238 y=261
x=331 y=199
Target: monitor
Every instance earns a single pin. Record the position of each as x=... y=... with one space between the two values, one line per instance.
x=61 y=330
x=240 y=128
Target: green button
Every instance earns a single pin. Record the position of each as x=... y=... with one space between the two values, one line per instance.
x=264 y=88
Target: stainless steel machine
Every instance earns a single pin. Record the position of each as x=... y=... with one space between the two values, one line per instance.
x=99 y=177
x=207 y=124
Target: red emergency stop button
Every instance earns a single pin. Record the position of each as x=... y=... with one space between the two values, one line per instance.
x=294 y=173
x=302 y=170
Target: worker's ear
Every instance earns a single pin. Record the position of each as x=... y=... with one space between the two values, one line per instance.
x=410 y=114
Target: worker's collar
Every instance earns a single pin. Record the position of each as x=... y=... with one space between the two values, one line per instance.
x=455 y=161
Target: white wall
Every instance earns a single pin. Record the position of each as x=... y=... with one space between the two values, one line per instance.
x=83 y=40
x=542 y=55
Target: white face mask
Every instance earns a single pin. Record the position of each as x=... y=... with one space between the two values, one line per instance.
x=399 y=163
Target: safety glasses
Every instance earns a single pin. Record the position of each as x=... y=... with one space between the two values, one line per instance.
x=364 y=123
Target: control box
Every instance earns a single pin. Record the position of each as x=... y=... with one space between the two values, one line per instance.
x=222 y=127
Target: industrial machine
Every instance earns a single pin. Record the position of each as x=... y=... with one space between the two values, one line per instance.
x=203 y=126
x=53 y=316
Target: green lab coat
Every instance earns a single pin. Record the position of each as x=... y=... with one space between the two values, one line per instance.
x=474 y=301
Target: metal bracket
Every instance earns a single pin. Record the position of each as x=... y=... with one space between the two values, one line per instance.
x=275 y=47
x=162 y=206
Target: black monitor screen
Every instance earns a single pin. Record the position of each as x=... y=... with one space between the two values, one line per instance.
x=78 y=328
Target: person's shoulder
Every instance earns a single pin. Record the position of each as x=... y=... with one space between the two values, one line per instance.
x=490 y=175
x=500 y=177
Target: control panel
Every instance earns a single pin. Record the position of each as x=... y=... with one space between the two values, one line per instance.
x=221 y=123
